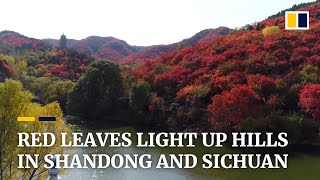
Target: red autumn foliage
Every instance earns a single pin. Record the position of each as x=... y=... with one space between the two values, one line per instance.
x=265 y=84
x=12 y=41
x=65 y=63
x=5 y=70
x=156 y=51
x=310 y=100
x=155 y=104
x=230 y=108
x=265 y=67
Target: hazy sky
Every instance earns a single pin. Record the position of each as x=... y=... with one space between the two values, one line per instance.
x=139 y=22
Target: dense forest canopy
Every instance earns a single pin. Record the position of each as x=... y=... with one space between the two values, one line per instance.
x=258 y=77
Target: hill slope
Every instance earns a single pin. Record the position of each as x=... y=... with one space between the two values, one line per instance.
x=251 y=79
x=120 y=51
x=158 y=50
x=12 y=41
x=100 y=47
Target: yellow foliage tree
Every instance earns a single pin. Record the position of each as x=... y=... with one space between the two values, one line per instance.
x=271 y=30
x=15 y=102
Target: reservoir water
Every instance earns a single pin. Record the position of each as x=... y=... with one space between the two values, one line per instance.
x=300 y=165
x=126 y=174
x=121 y=173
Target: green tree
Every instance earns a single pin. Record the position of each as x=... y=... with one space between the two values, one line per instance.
x=249 y=27
x=139 y=97
x=50 y=89
x=98 y=91
x=259 y=26
x=59 y=91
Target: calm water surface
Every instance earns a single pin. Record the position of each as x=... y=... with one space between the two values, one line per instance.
x=123 y=174
x=301 y=166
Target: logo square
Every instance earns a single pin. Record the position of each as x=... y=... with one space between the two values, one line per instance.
x=297 y=20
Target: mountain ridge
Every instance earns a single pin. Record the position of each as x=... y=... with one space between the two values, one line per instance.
x=110 y=48
x=158 y=50
x=120 y=51
x=13 y=41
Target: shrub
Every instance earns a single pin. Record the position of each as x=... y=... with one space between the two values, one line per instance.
x=271 y=30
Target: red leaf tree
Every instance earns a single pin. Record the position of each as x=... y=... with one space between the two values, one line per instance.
x=310 y=100
x=229 y=109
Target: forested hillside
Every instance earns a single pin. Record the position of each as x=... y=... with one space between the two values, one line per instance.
x=158 y=50
x=264 y=78
x=258 y=78
x=120 y=51
x=99 y=47
x=11 y=41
